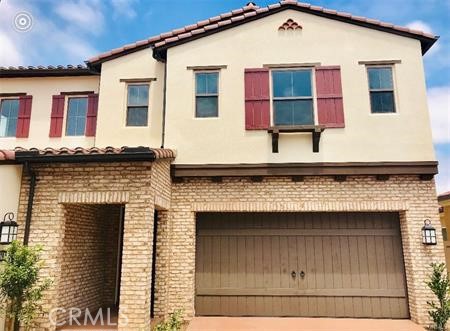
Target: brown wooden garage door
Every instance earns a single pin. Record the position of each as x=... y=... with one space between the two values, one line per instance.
x=300 y=264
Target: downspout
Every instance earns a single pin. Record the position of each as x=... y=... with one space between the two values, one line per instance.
x=163 y=135
x=32 y=176
x=153 y=283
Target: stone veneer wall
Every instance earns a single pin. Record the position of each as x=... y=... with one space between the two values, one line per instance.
x=111 y=217
x=128 y=183
x=414 y=199
x=84 y=258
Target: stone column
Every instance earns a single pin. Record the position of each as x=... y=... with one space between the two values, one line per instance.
x=134 y=307
x=418 y=256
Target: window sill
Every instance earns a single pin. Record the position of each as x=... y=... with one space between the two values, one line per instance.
x=296 y=128
x=388 y=114
x=315 y=130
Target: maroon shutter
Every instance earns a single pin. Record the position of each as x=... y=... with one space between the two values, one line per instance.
x=257 y=99
x=57 y=116
x=329 y=96
x=24 y=116
x=91 y=117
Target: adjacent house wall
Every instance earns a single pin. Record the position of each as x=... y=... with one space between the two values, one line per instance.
x=404 y=136
x=445 y=223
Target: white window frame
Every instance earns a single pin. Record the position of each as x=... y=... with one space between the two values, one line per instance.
x=10 y=98
x=313 y=91
x=217 y=71
x=394 y=89
x=66 y=113
x=127 y=85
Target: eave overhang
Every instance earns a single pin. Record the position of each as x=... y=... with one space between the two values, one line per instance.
x=84 y=155
x=425 y=168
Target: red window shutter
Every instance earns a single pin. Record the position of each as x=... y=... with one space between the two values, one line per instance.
x=257 y=99
x=330 y=106
x=57 y=116
x=24 y=116
x=91 y=117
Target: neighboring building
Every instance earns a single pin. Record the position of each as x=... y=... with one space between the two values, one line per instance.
x=444 y=213
x=288 y=172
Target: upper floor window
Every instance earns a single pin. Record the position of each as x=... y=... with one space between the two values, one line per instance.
x=9 y=113
x=381 y=88
x=137 y=105
x=76 y=116
x=206 y=94
x=292 y=97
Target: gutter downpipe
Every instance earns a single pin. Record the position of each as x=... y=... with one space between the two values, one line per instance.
x=163 y=135
x=32 y=176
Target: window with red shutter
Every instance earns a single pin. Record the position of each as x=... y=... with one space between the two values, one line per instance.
x=9 y=115
x=57 y=116
x=24 y=117
x=330 y=109
x=91 y=116
x=257 y=99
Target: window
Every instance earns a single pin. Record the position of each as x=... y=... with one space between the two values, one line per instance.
x=292 y=97
x=206 y=94
x=8 y=117
x=76 y=116
x=381 y=89
x=137 y=105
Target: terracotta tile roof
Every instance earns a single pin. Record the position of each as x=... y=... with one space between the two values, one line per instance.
x=19 y=152
x=58 y=67
x=35 y=71
x=252 y=11
x=71 y=151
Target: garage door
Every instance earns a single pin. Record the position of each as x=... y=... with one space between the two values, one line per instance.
x=300 y=264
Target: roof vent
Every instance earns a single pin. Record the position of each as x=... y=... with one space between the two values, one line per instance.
x=251 y=5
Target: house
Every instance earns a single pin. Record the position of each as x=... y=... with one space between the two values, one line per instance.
x=269 y=161
x=444 y=213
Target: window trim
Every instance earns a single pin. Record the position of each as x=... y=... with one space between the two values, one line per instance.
x=309 y=67
x=12 y=97
x=393 y=90
x=217 y=95
x=137 y=82
x=66 y=114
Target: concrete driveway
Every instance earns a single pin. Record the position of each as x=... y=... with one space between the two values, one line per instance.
x=298 y=324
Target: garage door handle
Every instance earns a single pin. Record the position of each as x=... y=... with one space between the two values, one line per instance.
x=302 y=274
x=293 y=274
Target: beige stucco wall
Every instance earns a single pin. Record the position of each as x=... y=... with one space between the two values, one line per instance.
x=404 y=136
x=10 y=177
x=111 y=128
x=42 y=89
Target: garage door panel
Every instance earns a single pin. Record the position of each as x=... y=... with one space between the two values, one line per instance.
x=353 y=265
x=301 y=259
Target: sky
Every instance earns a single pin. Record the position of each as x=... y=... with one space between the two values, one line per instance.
x=70 y=31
